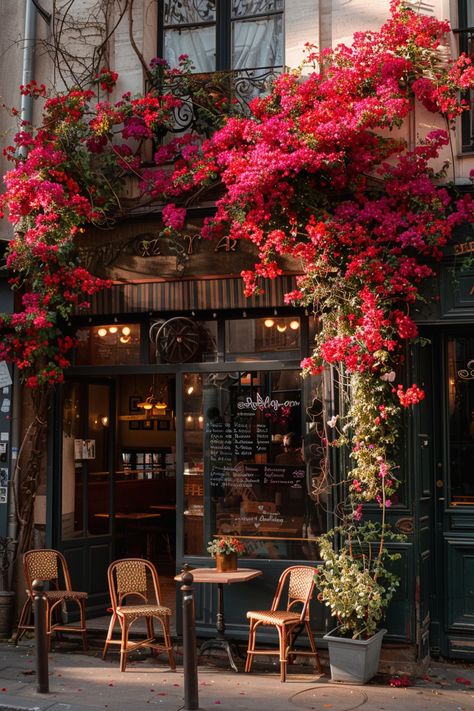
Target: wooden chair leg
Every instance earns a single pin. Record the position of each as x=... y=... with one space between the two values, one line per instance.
x=313 y=645
x=168 y=644
x=124 y=646
x=283 y=659
x=250 y=646
x=25 y=618
x=82 y=610
x=110 y=631
x=150 y=633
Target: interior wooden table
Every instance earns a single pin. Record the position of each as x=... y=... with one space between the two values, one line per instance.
x=211 y=575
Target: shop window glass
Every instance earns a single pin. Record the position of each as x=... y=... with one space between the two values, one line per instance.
x=85 y=469
x=262 y=337
x=461 y=420
x=108 y=344
x=247 y=470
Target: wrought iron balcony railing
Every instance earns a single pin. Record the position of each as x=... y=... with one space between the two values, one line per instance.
x=207 y=98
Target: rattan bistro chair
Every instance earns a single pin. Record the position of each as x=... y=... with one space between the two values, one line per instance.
x=50 y=566
x=137 y=578
x=288 y=622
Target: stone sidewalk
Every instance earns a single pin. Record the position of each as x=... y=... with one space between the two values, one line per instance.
x=83 y=682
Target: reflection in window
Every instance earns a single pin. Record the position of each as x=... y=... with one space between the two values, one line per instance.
x=262 y=335
x=108 y=344
x=461 y=420
x=250 y=460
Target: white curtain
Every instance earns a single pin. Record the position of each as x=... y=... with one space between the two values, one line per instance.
x=199 y=44
x=257 y=43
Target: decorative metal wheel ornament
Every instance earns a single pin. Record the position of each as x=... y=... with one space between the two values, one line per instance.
x=176 y=340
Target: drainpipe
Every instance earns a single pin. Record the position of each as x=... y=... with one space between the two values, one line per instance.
x=26 y=114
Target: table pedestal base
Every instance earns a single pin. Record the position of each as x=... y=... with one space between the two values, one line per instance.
x=218 y=643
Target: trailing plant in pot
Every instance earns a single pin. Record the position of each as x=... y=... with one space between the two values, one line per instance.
x=357 y=584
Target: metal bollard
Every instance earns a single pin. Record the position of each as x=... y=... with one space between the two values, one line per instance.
x=191 y=700
x=41 y=637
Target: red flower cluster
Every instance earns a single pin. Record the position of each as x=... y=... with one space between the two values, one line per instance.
x=411 y=396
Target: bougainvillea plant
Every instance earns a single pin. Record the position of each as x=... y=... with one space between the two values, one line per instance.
x=318 y=172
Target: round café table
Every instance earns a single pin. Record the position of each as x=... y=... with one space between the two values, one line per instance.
x=212 y=576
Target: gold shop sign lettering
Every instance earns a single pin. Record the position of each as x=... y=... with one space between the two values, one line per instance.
x=464 y=248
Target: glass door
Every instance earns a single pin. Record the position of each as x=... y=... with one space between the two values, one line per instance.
x=86 y=486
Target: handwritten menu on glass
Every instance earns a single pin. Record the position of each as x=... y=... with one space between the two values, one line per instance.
x=247 y=475
x=240 y=439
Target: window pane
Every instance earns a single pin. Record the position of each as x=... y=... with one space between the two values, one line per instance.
x=244 y=8
x=257 y=43
x=461 y=419
x=109 y=344
x=193 y=488
x=254 y=463
x=86 y=477
x=72 y=475
x=198 y=43
x=189 y=12
x=263 y=336
x=97 y=462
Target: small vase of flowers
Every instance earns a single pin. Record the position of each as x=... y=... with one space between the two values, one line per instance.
x=225 y=550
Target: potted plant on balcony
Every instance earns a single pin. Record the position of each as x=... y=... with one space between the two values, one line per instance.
x=355 y=582
x=225 y=550
x=7 y=596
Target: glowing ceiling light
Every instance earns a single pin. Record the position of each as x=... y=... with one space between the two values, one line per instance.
x=124 y=339
x=294 y=325
x=269 y=322
x=190 y=390
x=125 y=331
x=113 y=329
x=281 y=327
x=102 y=332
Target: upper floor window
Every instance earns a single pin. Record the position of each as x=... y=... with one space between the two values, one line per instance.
x=220 y=35
x=466 y=44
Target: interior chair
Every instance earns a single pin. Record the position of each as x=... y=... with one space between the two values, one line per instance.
x=50 y=567
x=289 y=622
x=137 y=578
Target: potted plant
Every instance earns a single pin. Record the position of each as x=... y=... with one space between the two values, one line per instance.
x=225 y=550
x=7 y=596
x=355 y=582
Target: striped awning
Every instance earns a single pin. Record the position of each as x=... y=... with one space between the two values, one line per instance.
x=189 y=295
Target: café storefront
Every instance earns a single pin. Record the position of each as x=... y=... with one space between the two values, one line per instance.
x=185 y=417
x=187 y=421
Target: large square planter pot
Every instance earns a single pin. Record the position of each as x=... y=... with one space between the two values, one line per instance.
x=353 y=660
